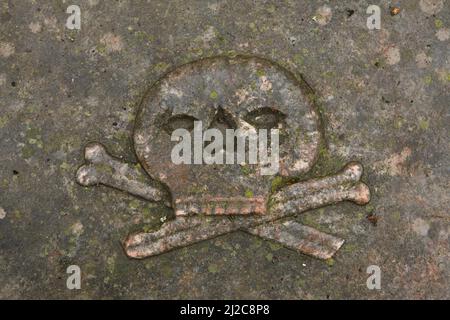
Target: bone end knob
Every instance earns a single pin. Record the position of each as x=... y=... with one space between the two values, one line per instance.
x=87 y=176
x=360 y=194
x=95 y=152
x=353 y=171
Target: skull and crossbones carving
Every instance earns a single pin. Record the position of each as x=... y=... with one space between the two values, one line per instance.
x=238 y=92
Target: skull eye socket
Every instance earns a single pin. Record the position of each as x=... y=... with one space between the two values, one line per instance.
x=266 y=118
x=181 y=121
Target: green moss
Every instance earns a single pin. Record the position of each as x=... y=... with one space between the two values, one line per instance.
x=328 y=74
x=27 y=151
x=257 y=242
x=17 y=214
x=141 y=178
x=300 y=283
x=146 y=213
x=134 y=204
x=45 y=251
x=37 y=142
x=349 y=248
x=224 y=245
x=330 y=262
x=299 y=60
x=3 y=121
x=122 y=137
x=275 y=246
x=221 y=39
x=260 y=73
x=232 y=54
x=213 y=268
x=271 y=8
x=398 y=123
x=34 y=137
x=396 y=216
x=424 y=124
x=369 y=208
x=247 y=170
x=277 y=183
x=198 y=189
x=131 y=117
x=161 y=67
x=104 y=169
x=213 y=94
x=309 y=220
x=327 y=164
x=144 y=36
x=438 y=23
x=269 y=257
x=167 y=270
x=248 y=193
x=147 y=228
x=65 y=166
x=198 y=51
x=101 y=49
x=111 y=264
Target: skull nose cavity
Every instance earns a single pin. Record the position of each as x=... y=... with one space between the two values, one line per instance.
x=222 y=121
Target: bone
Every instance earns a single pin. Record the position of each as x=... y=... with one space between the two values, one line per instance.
x=358 y=193
x=188 y=230
x=181 y=232
x=101 y=168
x=351 y=173
x=298 y=237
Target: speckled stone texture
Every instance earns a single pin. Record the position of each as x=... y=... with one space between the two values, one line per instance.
x=383 y=96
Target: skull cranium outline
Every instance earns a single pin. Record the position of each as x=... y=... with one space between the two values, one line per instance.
x=238 y=92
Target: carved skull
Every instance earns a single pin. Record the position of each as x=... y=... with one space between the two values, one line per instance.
x=227 y=93
x=223 y=93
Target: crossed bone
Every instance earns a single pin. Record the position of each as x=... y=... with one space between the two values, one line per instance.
x=102 y=168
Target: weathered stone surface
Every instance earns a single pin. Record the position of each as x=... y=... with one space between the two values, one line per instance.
x=61 y=89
